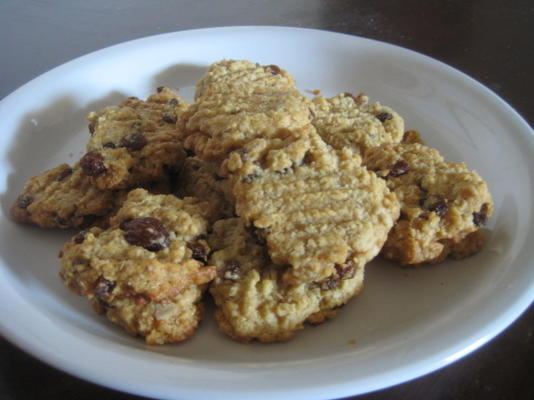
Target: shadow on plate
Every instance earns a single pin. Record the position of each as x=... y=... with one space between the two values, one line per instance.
x=180 y=76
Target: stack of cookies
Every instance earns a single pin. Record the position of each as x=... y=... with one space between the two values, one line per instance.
x=270 y=201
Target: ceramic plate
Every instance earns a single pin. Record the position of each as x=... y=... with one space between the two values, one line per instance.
x=406 y=323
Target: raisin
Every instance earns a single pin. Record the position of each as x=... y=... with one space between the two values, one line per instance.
x=401 y=167
x=200 y=252
x=103 y=288
x=383 y=117
x=273 y=69
x=440 y=207
x=345 y=272
x=232 y=270
x=92 y=163
x=79 y=237
x=91 y=129
x=480 y=218
x=134 y=141
x=24 y=200
x=146 y=232
x=160 y=89
x=173 y=102
x=63 y=174
x=109 y=145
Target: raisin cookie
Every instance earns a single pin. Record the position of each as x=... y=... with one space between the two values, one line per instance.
x=148 y=270
x=238 y=101
x=350 y=121
x=63 y=197
x=442 y=203
x=318 y=215
x=135 y=142
x=252 y=300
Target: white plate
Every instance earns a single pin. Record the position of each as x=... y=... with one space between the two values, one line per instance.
x=406 y=322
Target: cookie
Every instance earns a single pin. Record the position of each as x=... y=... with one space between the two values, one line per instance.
x=199 y=178
x=135 y=142
x=147 y=271
x=273 y=154
x=325 y=213
x=441 y=203
x=252 y=300
x=239 y=101
x=350 y=121
x=63 y=197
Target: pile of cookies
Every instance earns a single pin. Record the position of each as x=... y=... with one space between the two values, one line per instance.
x=270 y=201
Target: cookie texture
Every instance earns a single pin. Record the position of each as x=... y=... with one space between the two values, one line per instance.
x=238 y=101
x=442 y=203
x=325 y=213
x=63 y=197
x=147 y=271
x=136 y=141
x=350 y=121
x=252 y=300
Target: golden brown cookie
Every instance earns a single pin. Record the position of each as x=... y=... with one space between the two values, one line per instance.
x=254 y=302
x=239 y=101
x=350 y=121
x=442 y=203
x=319 y=215
x=135 y=142
x=63 y=197
x=148 y=270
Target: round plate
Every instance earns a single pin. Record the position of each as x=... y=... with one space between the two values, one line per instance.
x=406 y=323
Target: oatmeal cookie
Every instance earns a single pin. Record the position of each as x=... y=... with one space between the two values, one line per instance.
x=147 y=271
x=135 y=142
x=63 y=197
x=350 y=121
x=442 y=203
x=238 y=101
x=254 y=302
x=317 y=215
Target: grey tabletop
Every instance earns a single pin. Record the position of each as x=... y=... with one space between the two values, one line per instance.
x=490 y=40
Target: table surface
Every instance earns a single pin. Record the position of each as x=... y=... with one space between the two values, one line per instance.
x=487 y=39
